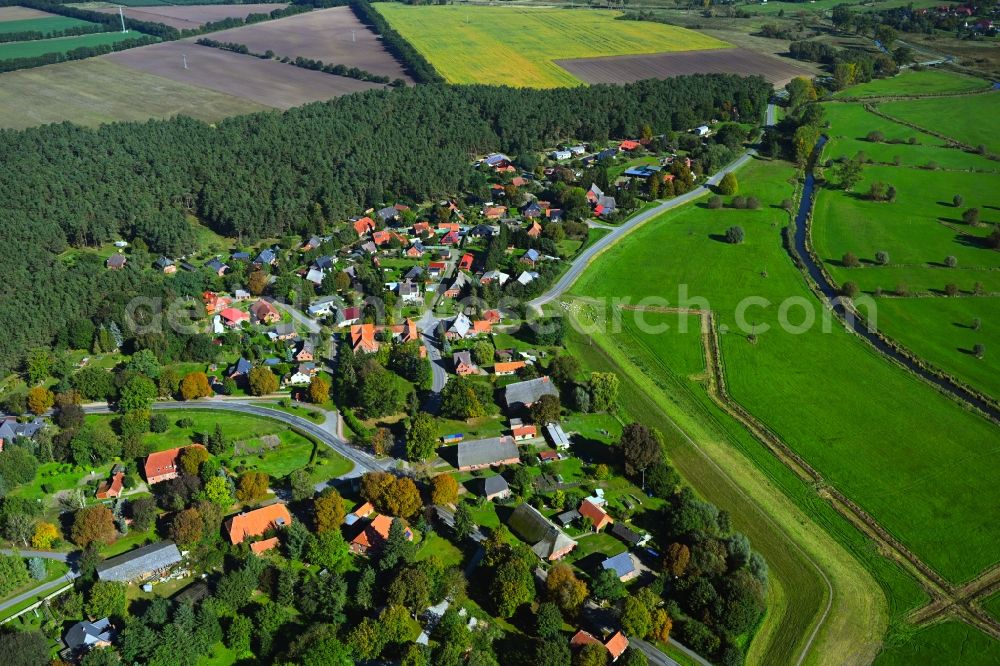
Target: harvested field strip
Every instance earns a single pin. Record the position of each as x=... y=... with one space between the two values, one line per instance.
x=96 y=90
x=15 y=13
x=516 y=46
x=266 y=82
x=192 y=16
x=334 y=36
x=38 y=47
x=628 y=68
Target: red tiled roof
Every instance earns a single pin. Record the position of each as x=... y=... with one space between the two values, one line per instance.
x=163 y=462
x=596 y=514
x=258 y=547
x=509 y=366
x=617 y=645
x=256 y=522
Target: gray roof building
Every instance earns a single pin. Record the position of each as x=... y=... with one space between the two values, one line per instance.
x=557 y=435
x=494 y=485
x=481 y=453
x=548 y=541
x=86 y=635
x=624 y=533
x=524 y=394
x=140 y=563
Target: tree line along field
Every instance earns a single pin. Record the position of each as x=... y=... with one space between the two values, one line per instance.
x=833 y=400
x=918 y=231
x=516 y=46
x=38 y=47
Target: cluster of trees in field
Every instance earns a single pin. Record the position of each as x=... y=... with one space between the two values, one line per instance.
x=796 y=135
x=271 y=175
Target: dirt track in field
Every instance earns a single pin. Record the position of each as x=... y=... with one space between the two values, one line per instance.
x=191 y=16
x=625 y=69
x=266 y=82
x=334 y=35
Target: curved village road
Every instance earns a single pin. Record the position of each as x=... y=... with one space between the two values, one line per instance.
x=581 y=262
x=363 y=462
x=41 y=589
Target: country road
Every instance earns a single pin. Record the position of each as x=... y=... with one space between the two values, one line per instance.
x=583 y=260
x=325 y=433
x=34 y=592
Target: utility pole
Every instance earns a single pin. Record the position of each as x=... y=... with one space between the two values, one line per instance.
x=184 y=56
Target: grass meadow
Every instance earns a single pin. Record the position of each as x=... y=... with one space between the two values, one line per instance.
x=946 y=643
x=918 y=232
x=516 y=46
x=969 y=119
x=44 y=25
x=850 y=124
x=911 y=82
x=845 y=409
x=39 y=47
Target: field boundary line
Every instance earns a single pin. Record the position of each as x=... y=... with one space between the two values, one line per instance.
x=873 y=109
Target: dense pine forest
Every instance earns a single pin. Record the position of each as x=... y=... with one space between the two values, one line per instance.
x=263 y=175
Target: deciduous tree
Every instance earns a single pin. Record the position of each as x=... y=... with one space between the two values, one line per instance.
x=252 y=487
x=195 y=385
x=565 y=589
x=421 y=437
x=329 y=511
x=262 y=381
x=444 y=489
x=641 y=448
x=40 y=400
x=93 y=524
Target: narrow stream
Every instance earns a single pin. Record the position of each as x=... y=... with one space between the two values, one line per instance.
x=858 y=325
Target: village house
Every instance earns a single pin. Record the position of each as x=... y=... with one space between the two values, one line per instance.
x=305 y=352
x=462 y=360
x=465 y=263
x=531 y=257
x=630 y=537
x=374 y=534
x=547 y=541
x=363 y=225
x=165 y=266
x=258 y=548
x=10 y=429
x=216 y=266
x=623 y=564
x=264 y=312
x=116 y=262
x=535 y=230
x=256 y=522
x=492 y=488
x=460 y=282
x=140 y=564
x=598 y=516
x=85 y=636
x=557 y=436
x=214 y=302
x=364 y=337
x=162 y=465
x=494 y=276
x=240 y=368
x=616 y=645
x=266 y=257
x=521 y=431
x=506 y=368
x=112 y=488
x=233 y=318
x=481 y=453
x=522 y=395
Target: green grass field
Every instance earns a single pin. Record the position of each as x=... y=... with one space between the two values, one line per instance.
x=992 y=605
x=840 y=405
x=910 y=82
x=516 y=46
x=949 y=642
x=94 y=91
x=973 y=126
x=44 y=25
x=850 y=124
x=941 y=331
x=38 y=47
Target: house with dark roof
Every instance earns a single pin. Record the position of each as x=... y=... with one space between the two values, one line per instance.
x=623 y=564
x=522 y=395
x=557 y=436
x=165 y=265
x=85 y=636
x=216 y=266
x=241 y=368
x=462 y=360
x=492 y=488
x=267 y=257
x=624 y=533
x=116 y=262
x=548 y=541
x=10 y=429
x=480 y=453
x=140 y=564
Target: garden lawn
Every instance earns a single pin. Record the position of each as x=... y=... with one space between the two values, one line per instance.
x=969 y=119
x=848 y=411
x=44 y=25
x=437 y=546
x=516 y=45
x=941 y=331
x=910 y=82
x=39 y=47
x=850 y=124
